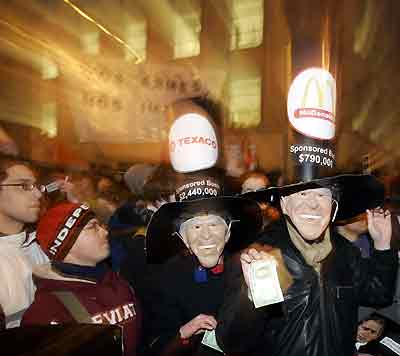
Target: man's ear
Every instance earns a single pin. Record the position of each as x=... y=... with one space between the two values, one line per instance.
x=283 y=205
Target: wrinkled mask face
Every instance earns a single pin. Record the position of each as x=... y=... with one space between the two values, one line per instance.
x=309 y=210
x=205 y=236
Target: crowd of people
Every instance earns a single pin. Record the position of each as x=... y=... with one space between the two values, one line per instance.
x=78 y=254
x=187 y=260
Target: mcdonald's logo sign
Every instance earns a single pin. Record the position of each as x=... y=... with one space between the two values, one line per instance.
x=311 y=103
x=322 y=97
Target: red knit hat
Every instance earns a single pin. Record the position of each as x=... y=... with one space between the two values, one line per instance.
x=59 y=228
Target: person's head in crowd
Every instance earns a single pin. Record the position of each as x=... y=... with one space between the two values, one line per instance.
x=84 y=188
x=276 y=177
x=252 y=181
x=256 y=181
x=106 y=205
x=71 y=233
x=370 y=329
x=160 y=187
x=104 y=185
x=352 y=228
x=137 y=176
x=20 y=196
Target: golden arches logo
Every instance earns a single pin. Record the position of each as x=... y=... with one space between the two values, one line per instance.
x=324 y=87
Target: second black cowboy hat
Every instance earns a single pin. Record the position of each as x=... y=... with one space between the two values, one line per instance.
x=311 y=112
x=200 y=193
x=354 y=192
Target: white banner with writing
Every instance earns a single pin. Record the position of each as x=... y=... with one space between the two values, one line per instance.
x=119 y=102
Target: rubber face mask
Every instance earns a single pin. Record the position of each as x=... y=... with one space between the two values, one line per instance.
x=205 y=236
x=309 y=210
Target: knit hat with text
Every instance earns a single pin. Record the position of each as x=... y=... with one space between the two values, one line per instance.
x=59 y=228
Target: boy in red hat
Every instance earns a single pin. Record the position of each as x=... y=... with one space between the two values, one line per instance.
x=74 y=288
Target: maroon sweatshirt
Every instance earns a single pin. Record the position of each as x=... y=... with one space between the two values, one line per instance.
x=110 y=301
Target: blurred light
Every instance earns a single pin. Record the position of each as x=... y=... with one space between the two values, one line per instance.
x=136 y=38
x=358 y=121
x=187 y=29
x=383 y=127
x=326 y=44
x=90 y=42
x=247 y=18
x=49 y=69
x=49 y=119
x=366 y=30
x=245 y=103
x=105 y=30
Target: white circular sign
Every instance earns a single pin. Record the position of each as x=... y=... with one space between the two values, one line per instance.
x=193 y=144
x=311 y=104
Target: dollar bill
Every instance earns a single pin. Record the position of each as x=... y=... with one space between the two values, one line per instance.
x=210 y=340
x=264 y=283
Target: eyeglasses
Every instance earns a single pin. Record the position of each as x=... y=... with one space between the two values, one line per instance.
x=28 y=187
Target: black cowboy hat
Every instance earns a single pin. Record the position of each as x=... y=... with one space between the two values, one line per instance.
x=162 y=242
x=354 y=192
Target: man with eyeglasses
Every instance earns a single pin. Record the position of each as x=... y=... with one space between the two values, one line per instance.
x=19 y=207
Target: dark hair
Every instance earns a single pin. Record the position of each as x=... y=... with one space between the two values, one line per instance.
x=160 y=185
x=336 y=191
x=6 y=163
x=211 y=107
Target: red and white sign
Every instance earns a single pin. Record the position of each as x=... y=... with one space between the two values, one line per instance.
x=193 y=144
x=311 y=104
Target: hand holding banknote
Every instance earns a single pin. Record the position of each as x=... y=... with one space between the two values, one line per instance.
x=265 y=274
x=247 y=257
x=197 y=325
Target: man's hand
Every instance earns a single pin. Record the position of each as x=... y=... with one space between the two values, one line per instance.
x=68 y=188
x=260 y=252
x=197 y=325
x=249 y=256
x=380 y=228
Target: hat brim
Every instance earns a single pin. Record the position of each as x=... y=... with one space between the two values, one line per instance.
x=358 y=192
x=162 y=241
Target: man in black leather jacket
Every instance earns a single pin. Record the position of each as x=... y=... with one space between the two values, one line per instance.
x=318 y=316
